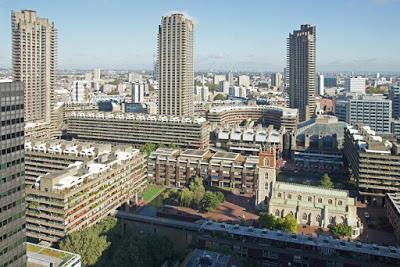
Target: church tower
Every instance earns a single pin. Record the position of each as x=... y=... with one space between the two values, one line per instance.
x=266 y=177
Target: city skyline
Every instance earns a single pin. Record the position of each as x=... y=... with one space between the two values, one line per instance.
x=346 y=42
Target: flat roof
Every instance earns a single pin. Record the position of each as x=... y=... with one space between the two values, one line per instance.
x=198 y=153
x=39 y=255
x=225 y=156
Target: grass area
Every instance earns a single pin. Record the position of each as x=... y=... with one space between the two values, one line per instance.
x=151 y=192
x=49 y=252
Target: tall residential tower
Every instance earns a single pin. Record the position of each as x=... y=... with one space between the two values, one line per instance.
x=175 y=65
x=34 y=62
x=301 y=70
x=12 y=178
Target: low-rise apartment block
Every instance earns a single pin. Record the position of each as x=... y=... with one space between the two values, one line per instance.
x=249 y=140
x=45 y=156
x=139 y=128
x=82 y=194
x=176 y=168
x=266 y=115
x=374 y=163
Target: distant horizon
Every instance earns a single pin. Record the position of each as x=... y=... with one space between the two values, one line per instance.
x=219 y=71
x=356 y=35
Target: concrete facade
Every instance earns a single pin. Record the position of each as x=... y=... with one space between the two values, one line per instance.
x=301 y=58
x=175 y=65
x=12 y=177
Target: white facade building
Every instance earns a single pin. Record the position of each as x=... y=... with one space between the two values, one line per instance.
x=138 y=92
x=97 y=74
x=224 y=87
x=80 y=92
x=244 y=80
x=310 y=205
x=355 y=84
x=218 y=78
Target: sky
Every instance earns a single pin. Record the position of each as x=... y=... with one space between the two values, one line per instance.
x=352 y=35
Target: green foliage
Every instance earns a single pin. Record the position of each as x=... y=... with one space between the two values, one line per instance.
x=132 y=250
x=210 y=201
x=326 y=182
x=287 y=224
x=186 y=197
x=113 y=92
x=376 y=90
x=103 y=245
x=78 y=241
x=196 y=196
x=198 y=190
x=219 y=97
x=340 y=230
x=267 y=221
x=148 y=148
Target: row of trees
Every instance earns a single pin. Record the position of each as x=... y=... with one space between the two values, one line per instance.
x=287 y=223
x=197 y=197
x=103 y=245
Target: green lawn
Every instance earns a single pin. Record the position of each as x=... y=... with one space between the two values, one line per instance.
x=152 y=191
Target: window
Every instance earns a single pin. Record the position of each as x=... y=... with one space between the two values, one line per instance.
x=305 y=216
x=290 y=196
x=298 y=197
x=277 y=213
x=340 y=203
x=319 y=200
x=309 y=199
x=279 y=195
x=330 y=201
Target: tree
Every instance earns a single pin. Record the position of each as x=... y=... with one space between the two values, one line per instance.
x=198 y=190
x=219 y=97
x=267 y=221
x=289 y=224
x=148 y=148
x=186 y=197
x=341 y=230
x=86 y=243
x=209 y=201
x=326 y=182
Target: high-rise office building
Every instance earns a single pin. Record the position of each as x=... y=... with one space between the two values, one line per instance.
x=97 y=74
x=137 y=92
x=230 y=79
x=80 y=92
x=355 y=84
x=12 y=194
x=218 y=78
x=244 y=80
x=34 y=62
x=394 y=95
x=301 y=57
x=175 y=65
x=276 y=79
x=321 y=85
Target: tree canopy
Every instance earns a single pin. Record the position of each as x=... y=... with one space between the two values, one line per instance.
x=219 y=97
x=287 y=223
x=103 y=245
x=341 y=230
x=326 y=182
